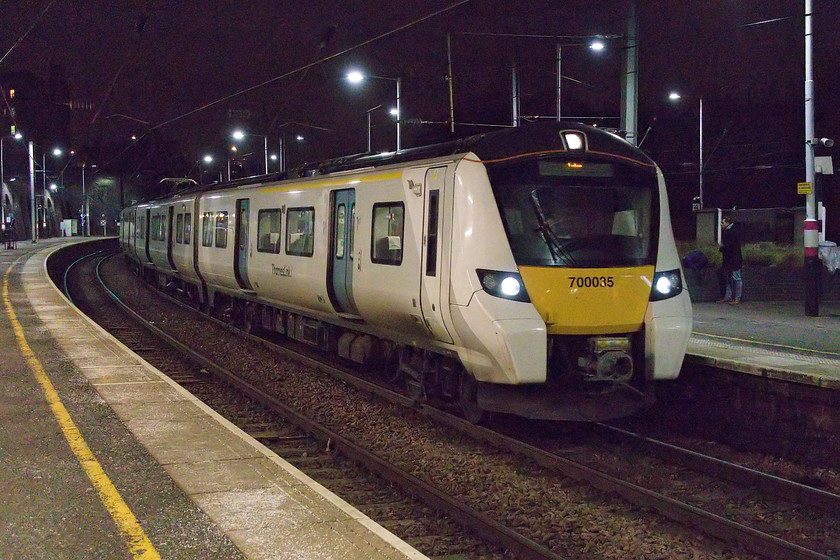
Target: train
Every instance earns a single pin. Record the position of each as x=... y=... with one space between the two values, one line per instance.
x=530 y=271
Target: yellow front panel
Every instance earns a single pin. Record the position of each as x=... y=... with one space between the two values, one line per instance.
x=589 y=300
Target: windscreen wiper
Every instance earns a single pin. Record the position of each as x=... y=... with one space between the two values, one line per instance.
x=548 y=235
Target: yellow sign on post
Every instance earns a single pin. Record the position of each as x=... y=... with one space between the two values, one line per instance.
x=804 y=188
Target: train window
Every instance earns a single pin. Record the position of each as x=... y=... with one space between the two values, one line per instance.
x=432 y=234
x=141 y=227
x=340 y=228
x=207 y=229
x=268 y=231
x=187 y=227
x=578 y=214
x=162 y=228
x=300 y=231
x=158 y=228
x=221 y=229
x=179 y=228
x=387 y=234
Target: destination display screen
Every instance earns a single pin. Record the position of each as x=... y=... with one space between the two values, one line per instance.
x=575 y=169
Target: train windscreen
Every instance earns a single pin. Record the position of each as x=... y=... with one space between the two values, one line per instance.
x=577 y=213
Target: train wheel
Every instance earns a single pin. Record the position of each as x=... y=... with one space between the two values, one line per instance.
x=468 y=399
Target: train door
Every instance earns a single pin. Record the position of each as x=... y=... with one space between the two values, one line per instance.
x=147 y=229
x=343 y=206
x=170 y=239
x=131 y=241
x=431 y=283
x=240 y=255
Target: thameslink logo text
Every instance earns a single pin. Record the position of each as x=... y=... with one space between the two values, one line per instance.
x=281 y=270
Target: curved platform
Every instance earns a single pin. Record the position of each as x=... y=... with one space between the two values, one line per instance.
x=105 y=457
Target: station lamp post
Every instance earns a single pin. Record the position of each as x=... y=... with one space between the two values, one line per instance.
x=357 y=77
x=207 y=159
x=596 y=45
x=240 y=134
x=675 y=96
x=56 y=152
x=17 y=136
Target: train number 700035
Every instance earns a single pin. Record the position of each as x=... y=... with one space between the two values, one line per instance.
x=591 y=281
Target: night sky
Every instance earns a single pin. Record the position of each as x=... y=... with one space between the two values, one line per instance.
x=182 y=76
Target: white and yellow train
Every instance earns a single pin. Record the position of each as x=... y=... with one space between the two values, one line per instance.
x=530 y=271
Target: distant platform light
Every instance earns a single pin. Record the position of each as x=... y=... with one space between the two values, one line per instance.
x=597 y=45
x=355 y=77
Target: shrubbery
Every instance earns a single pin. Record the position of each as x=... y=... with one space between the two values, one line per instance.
x=763 y=253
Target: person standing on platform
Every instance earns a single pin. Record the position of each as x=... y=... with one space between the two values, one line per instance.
x=730 y=247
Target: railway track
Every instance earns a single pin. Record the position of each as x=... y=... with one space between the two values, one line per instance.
x=721 y=527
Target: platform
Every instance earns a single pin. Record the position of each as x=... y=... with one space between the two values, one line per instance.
x=102 y=456
x=769 y=339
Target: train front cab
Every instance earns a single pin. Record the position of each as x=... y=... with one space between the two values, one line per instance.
x=594 y=259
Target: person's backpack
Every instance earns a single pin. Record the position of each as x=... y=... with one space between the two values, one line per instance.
x=695 y=260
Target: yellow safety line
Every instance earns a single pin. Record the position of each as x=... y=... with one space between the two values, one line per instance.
x=138 y=543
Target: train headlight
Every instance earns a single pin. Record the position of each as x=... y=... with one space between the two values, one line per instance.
x=666 y=284
x=574 y=140
x=507 y=285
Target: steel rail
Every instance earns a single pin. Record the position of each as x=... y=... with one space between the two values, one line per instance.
x=774 y=485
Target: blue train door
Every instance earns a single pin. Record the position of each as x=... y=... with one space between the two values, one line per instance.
x=341 y=250
x=170 y=238
x=240 y=256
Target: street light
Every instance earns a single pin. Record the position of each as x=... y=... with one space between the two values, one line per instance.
x=17 y=136
x=85 y=208
x=240 y=134
x=596 y=45
x=208 y=162
x=357 y=77
x=675 y=96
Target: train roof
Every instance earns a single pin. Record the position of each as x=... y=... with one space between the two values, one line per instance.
x=502 y=144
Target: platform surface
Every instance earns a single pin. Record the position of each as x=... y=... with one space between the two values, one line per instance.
x=102 y=456
x=770 y=339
